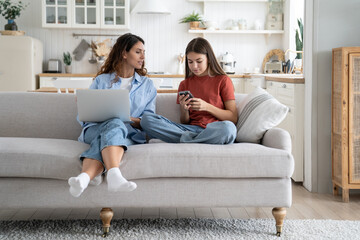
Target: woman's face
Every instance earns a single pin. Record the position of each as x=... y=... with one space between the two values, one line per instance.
x=136 y=56
x=198 y=63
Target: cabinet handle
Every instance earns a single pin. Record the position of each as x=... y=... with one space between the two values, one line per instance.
x=284 y=85
x=54 y=78
x=289 y=110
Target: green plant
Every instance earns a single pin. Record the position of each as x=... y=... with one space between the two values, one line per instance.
x=67 y=58
x=299 y=38
x=193 y=17
x=11 y=10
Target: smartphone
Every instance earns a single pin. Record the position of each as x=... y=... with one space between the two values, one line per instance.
x=186 y=93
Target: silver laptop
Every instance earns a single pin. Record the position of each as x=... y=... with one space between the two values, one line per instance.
x=98 y=105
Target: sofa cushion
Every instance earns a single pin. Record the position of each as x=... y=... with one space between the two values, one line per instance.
x=239 y=160
x=59 y=159
x=40 y=157
x=258 y=112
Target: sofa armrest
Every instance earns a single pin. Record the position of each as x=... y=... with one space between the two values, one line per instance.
x=277 y=138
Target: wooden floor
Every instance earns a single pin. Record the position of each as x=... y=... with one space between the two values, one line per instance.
x=305 y=205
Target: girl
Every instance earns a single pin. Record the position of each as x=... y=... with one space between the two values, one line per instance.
x=124 y=68
x=210 y=115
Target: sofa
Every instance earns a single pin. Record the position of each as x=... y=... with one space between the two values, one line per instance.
x=39 y=151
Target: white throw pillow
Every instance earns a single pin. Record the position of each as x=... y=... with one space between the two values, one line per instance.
x=258 y=112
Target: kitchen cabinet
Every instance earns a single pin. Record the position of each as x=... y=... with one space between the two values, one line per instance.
x=253 y=82
x=345 y=129
x=65 y=82
x=238 y=84
x=292 y=95
x=95 y=14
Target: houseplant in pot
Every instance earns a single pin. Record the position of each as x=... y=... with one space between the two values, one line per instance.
x=299 y=45
x=10 y=11
x=67 y=61
x=194 y=19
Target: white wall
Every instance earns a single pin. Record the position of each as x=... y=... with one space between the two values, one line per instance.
x=164 y=37
x=335 y=25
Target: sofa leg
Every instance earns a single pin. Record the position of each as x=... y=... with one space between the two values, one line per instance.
x=279 y=214
x=106 y=215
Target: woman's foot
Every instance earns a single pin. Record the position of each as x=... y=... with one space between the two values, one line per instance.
x=117 y=183
x=78 y=184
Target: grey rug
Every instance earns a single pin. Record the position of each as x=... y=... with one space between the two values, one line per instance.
x=180 y=229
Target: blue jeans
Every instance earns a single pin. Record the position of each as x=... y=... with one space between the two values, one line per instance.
x=112 y=132
x=156 y=126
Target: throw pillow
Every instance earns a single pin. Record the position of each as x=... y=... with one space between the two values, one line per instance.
x=258 y=112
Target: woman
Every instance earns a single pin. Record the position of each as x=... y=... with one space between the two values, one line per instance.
x=208 y=115
x=124 y=68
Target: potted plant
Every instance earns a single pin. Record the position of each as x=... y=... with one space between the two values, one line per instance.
x=194 y=19
x=299 y=46
x=299 y=38
x=10 y=11
x=67 y=61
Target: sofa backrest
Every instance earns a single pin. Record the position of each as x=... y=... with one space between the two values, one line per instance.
x=42 y=115
x=51 y=115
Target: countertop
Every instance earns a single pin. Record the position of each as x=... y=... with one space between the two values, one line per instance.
x=286 y=78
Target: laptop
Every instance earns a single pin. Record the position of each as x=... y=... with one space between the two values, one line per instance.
x=98 y=105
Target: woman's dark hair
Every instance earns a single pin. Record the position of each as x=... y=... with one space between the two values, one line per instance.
x=115 y=58
x=201 y=45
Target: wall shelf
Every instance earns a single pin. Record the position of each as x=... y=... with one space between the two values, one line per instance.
x=269 y=32
x=228 y=1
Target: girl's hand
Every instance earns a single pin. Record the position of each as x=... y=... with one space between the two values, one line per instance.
x=185 y=104
x=136 y=122
x=198 y=104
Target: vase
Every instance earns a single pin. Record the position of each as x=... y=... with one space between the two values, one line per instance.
x=100 y=62
x=194 y=25
x=68 y=69
x=11 y=25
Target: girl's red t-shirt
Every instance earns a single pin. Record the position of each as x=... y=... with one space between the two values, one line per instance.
x=214 y=90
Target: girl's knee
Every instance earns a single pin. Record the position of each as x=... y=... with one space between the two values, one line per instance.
x=147 y=119
x=229 y=129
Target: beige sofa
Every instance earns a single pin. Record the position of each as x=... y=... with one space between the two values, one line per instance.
x=39 y=151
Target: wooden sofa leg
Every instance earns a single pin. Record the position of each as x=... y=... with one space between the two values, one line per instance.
x=279 y=215
x=106 y=215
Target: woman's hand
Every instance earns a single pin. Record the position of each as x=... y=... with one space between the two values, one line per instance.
x=198 y=104
x=136 y=122
x=185 y=104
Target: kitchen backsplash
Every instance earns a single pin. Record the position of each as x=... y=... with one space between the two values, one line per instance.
x=164 y=37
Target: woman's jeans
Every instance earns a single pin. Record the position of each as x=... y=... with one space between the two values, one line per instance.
x=156 y=126
x=112 y=132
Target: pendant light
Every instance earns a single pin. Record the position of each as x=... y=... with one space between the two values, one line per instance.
x=151 y=7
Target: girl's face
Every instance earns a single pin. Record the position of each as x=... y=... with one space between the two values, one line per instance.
x=198 y=63
x=136 y=56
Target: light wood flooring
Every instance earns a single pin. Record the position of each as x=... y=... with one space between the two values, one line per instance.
x=305 y=205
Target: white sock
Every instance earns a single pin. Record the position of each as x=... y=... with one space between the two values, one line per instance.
x=78 y=184
x=96 y=180
x=117 y=183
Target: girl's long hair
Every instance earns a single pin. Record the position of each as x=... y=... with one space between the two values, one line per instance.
x=115 y=59
x=201 y=45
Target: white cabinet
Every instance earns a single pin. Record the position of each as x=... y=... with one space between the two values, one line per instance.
x=56 y=13
x=251 y=83
x=292 y=95
x=238 y=84
x=96 y=14
x=65 y=82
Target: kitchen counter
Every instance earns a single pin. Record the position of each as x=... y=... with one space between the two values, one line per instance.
x=93 y=75
x=150 y=76
x=286 y=78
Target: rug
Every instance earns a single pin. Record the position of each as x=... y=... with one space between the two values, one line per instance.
x=180 y=229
